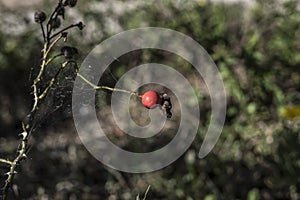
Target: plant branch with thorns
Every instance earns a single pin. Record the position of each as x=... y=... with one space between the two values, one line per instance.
x=41 y=88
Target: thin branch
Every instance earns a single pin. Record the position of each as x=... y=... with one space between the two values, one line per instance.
x=52 y=44
x=53 y=58
x=43 y=31
x=102 y=87
x=51 y=83
x=5 y=161
x=63 y=30
x=53 y=16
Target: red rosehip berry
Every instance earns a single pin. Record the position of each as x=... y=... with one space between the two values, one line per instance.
x=150 y=99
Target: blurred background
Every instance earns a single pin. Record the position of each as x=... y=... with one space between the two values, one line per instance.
x=256 y=46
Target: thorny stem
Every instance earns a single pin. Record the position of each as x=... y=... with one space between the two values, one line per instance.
x=38 y=96
x=25 y=135
x=5 y=161
x=102 y=87
x=41 y=94
x=51 y=83
x=14 y=163
x=24 y=142
x=45 y=62
x=38 y=78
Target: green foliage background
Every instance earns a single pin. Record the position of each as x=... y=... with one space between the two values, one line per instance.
x=257 y=52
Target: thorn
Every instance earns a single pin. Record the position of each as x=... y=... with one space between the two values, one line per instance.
x=7 y=173
x=63 y=65
x=24 y=134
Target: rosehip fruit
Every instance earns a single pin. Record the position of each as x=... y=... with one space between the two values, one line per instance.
x=150 y=99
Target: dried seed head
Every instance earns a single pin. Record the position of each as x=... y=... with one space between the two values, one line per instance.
x=55 y=23
x=39 y=17
x=64 y=35
x=61 y=12
x=80 y=25
x=70 y=3
x=69 y=52
x=166 y=105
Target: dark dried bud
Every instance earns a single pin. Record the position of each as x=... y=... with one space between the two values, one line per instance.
x=64 y=35
x=61 y=12
x=69 y=52
x=80 y=25
x=55 y=23
x=166 y=104
x=70 y=3
x=39 y=17
x=169 y=113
